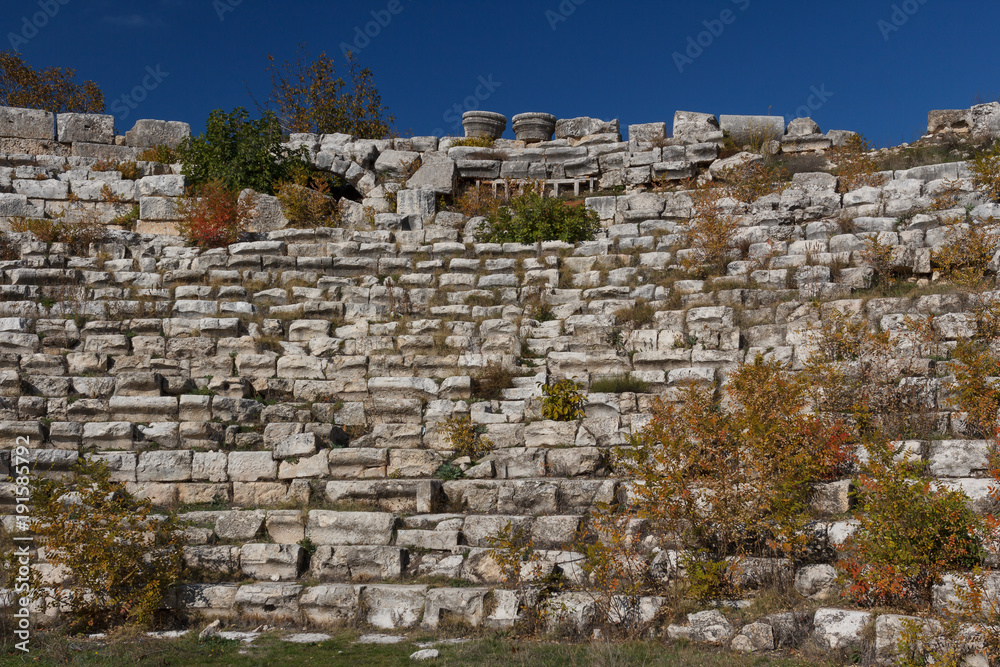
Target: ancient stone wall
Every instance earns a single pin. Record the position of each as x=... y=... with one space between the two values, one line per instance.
x=299 y=382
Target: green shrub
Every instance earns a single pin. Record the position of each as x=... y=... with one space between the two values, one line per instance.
x=562 y=401
x=530 y=217
x=241 y=153
x=448 y=471
x=617 y=384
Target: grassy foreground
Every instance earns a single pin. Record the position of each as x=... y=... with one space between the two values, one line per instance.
x=271 y=651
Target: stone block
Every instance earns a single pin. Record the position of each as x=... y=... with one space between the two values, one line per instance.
x=27 y=123
x=86 y=127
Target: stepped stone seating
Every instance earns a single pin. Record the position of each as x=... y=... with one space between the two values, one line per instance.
x=288 y=393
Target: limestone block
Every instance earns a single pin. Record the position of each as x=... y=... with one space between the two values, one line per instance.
x=164 y=466
x=357 y=563
x=393 y=607
x=86 y=127
x=331 y=604
x=252 y=466
x=27 y=123
x=835 y=629
x=274 y=562
x=463 y=604
x=239 y=525
x=350 y=528
x=817 y=582
x=277 y=602
x=150 y=133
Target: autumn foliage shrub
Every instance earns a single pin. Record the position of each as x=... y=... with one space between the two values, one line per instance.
x=307 y=202
x=724 y=480
x=466 y=438
x=121 y=558
x=965 y=257
x=562 y=400
x=213 y=216
x=911 y=531
x=985 y=168
x=856 y=166
x=711 y=232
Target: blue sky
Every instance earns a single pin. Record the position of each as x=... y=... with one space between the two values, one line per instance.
x=875 y=66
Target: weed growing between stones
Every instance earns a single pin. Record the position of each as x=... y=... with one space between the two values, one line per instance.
x=163 y=154
x=985 y=168
x=307 y=203
x=466 y=439
x=562 y=400
x=857 y=166
x=78 y=235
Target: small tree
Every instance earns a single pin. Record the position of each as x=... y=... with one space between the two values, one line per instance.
x=912 y=531
x=120 y=557
x=52 y=89
x=728 y=482
x=241 y=153
x=711 y=231
x=308 y=96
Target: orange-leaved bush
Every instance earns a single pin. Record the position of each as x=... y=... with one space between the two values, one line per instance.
x=911 y=531
x=213 y=216
x=730 y=479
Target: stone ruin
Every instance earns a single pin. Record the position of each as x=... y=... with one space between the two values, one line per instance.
x=278 y=373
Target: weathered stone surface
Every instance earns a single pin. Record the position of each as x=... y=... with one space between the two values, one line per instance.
x=150 y=133
x=393 y=607
x=438 y=174
x=358 y=563
x=27 y=123
x=273 y=562
x=86 y=127
x=839 y=628
x=350 y=528
x=817 y=582
x=578 y=128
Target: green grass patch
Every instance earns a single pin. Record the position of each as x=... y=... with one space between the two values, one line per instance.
x=617 y=384
x=270 y=651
